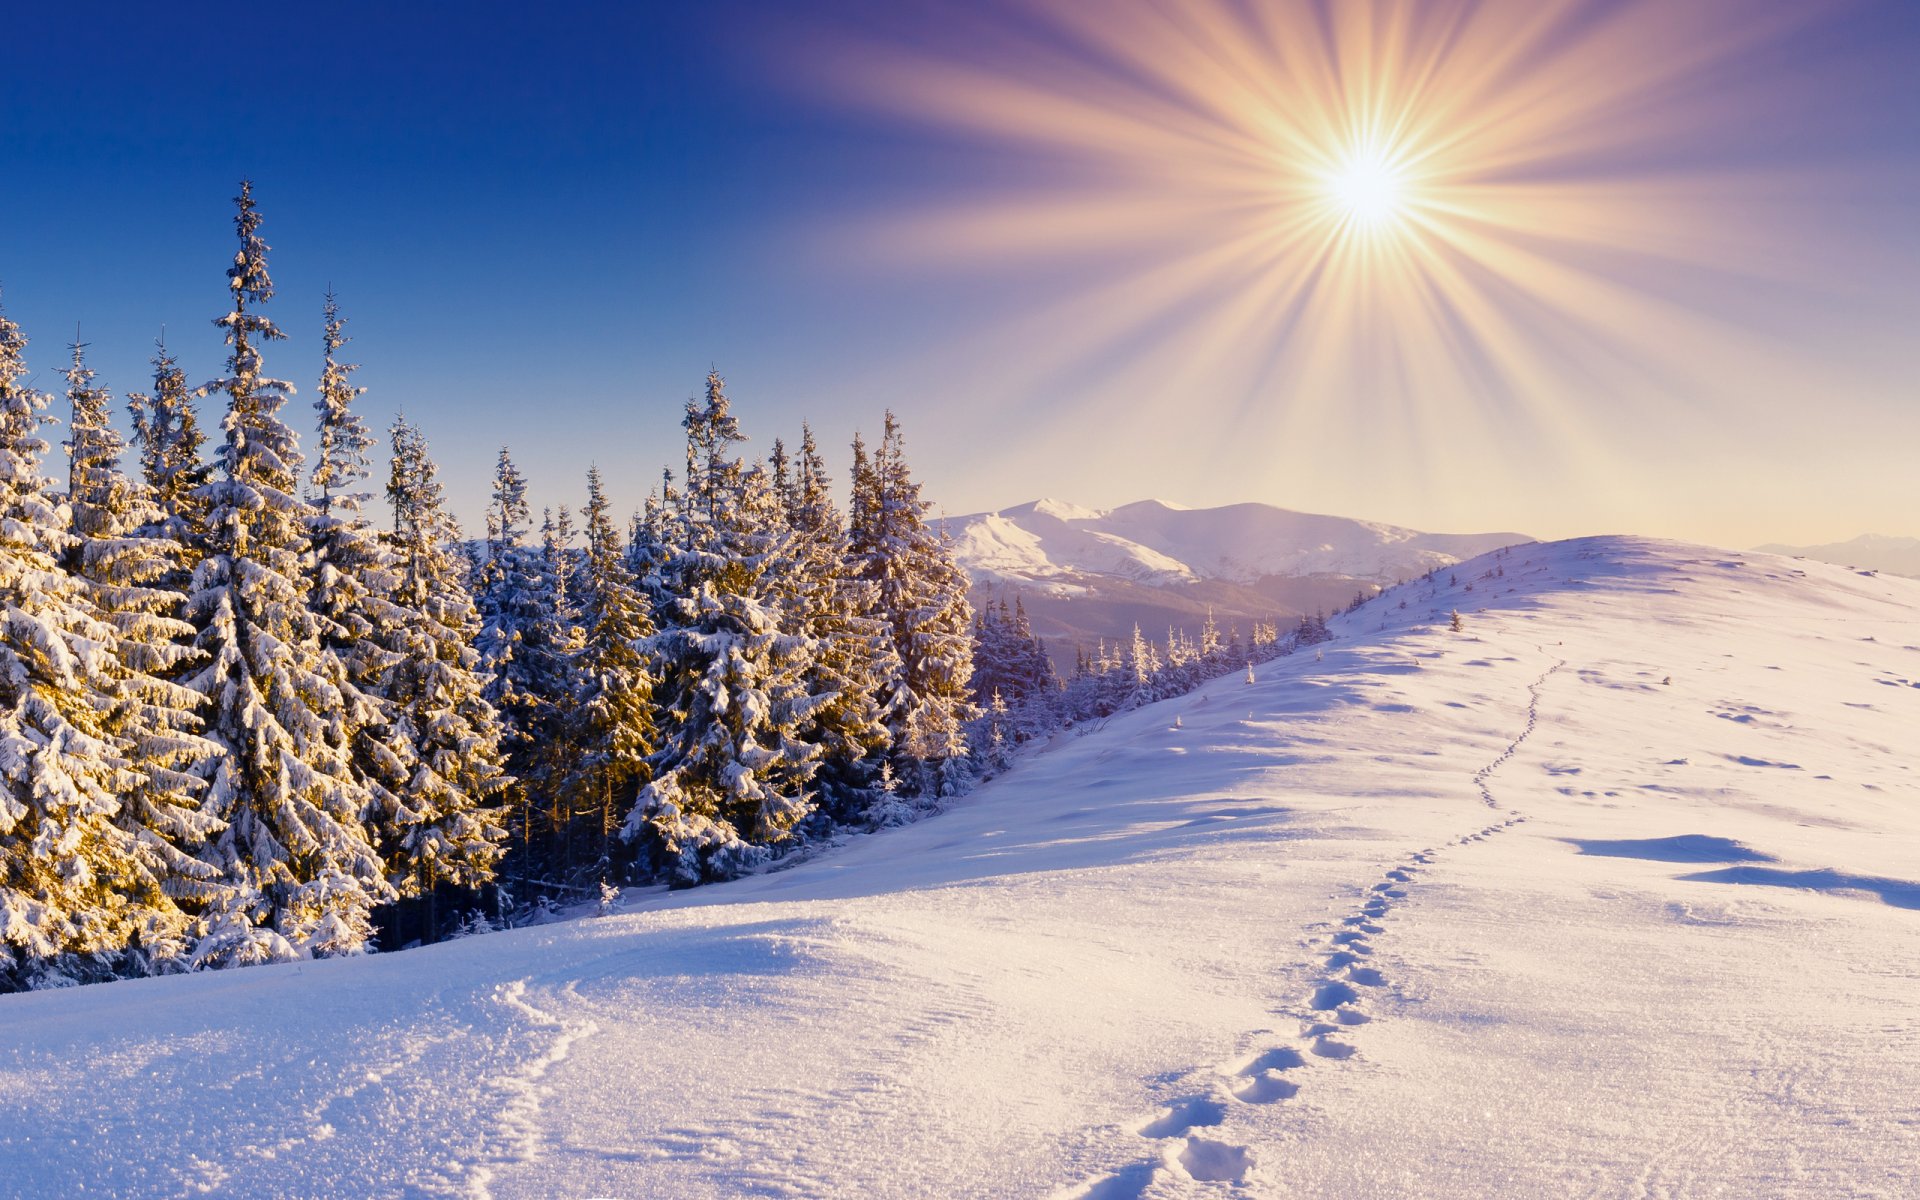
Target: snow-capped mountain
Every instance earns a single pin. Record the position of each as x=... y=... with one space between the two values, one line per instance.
x=1087 y=574
x=1064 y=547
x=1869 y=551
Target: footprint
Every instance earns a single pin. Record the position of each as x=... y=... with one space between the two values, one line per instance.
x=1356 y=942
x=1363 y=924
x=1216 y=1162
x=1332 y=994
x=1366 y=977
x=1128 y=1183
x=1401 y=874
x=1325 y=1047
x=1351 y=1016
x=1283 y=1058
x=1266 y=1088
x=1195 y=1112
x=1341 y=958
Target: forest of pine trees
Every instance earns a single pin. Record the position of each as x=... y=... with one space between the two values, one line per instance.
x=244 y=719
x=245 y=722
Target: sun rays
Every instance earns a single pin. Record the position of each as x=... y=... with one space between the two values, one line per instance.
x=1423 y=217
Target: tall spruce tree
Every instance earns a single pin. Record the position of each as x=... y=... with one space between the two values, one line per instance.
x=557 y=685
x=435 y=692
x=125 y=563
x=524 y=647
x=733 y=772
x=295 y=849
x=920 y=592
x=167 y=431
x=352 y=582
x=611 y=731
x=853 y=652
x=73 y=898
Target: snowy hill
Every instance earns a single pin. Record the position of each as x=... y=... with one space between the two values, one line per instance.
x=1065 y=546
x=1870 y=551
x=1613 y=892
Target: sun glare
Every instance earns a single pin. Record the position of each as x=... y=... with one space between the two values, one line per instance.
x=1433 y=212
x=1367 y=188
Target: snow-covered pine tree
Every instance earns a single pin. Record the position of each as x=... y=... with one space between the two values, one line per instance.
x=1210 y=642
x=610 y=729
x=1140 y=664
x=1010 y=661
x=547 y=772
x=167 y=431
x=435 y=691
x=853 y=652
x=123 y=564
x=1033 y=669
x=524 y=646
x=295 y=850
x=352 y=581
x=920 y=593
x=733 y=770
x=71 y=901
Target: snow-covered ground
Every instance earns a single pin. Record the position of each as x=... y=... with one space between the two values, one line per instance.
x=1615 y=892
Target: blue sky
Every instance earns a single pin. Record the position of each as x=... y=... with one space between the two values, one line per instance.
x=545 y=226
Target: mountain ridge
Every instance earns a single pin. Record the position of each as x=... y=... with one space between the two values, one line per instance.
x=1872 y=551
x=1060 y=545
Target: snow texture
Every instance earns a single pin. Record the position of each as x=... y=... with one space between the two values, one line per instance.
x=1610 y=893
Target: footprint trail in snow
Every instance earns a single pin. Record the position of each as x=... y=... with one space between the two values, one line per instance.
x=1335 y=1006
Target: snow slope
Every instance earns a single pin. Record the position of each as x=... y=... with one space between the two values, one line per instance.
x=1501 y=912
x=1158 y=543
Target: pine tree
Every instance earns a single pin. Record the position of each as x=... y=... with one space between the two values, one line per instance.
x=167 y=431
x=732 y=772
x=295 y=849
x=123 y=564
x=611 y=731
x=559 y=685
x=435 y=691
x=853 y=652
x=524 y=645
x=71 y=894
x=920 y=593
x=352 y=581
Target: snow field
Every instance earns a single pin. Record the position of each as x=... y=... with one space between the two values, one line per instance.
x=1613 y=893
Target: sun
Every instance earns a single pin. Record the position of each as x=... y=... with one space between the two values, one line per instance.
x=1367 y=188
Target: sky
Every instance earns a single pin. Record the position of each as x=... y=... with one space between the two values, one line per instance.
x=1558 y=266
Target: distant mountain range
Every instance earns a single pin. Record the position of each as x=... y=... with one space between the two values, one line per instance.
x=1085 y=574
x=1871 y=551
